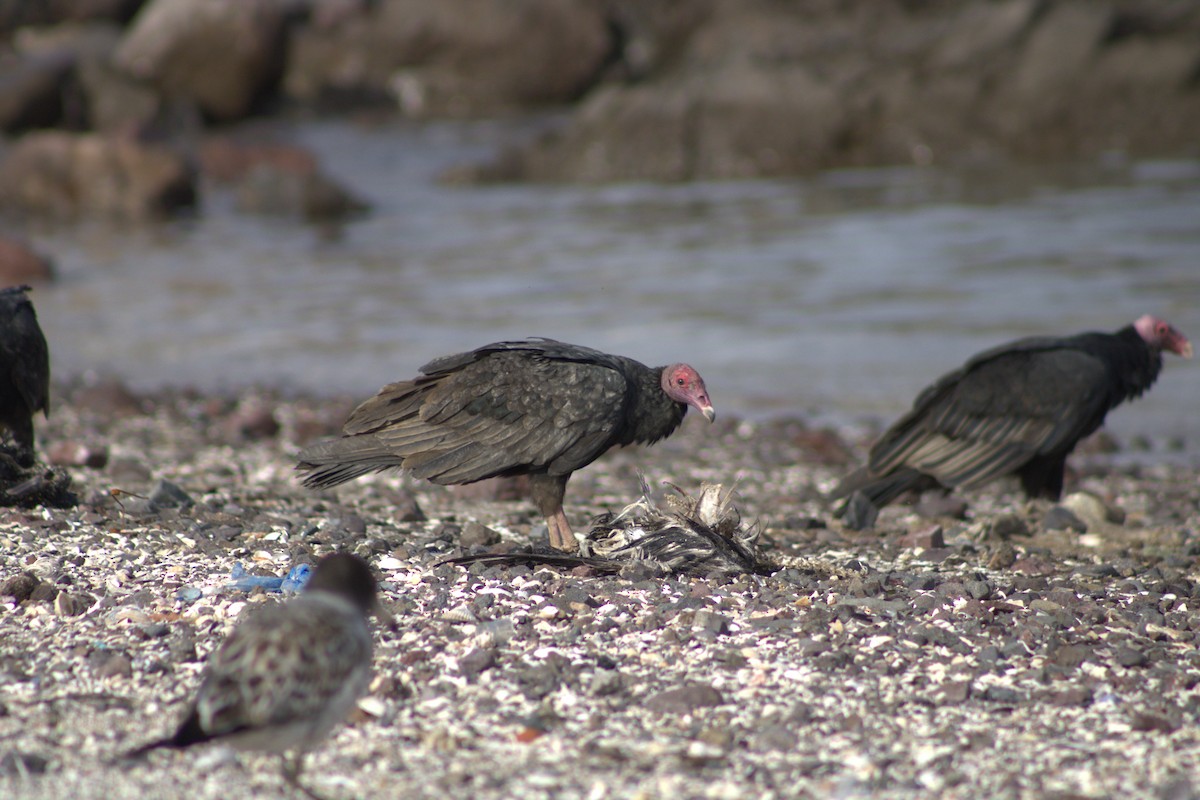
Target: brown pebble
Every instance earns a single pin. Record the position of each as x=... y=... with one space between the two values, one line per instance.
x=43 y=593
x=1002 y=557
x=948 y=505
x=77 y=454
x=69 y=605
x=253 y=423
x=684 y=699
x=925 y=538
x=1005 y=526
x=476 y=534
x=19 y=587
x=115 y=666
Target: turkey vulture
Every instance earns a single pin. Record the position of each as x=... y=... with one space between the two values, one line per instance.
x=535 y=407
x=1018 y=408
x=290 y=672
x=24 y=369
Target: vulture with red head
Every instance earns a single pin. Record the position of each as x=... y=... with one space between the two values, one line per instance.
x=535 y=407
x=1016 y=409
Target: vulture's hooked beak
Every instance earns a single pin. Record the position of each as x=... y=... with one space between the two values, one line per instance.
x=709 y=412
x=1177 y=343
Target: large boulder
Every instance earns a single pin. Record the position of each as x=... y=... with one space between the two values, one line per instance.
x=16 y=14
x=750 y=88
x=454 y=57
x=220 y=54
x=67 y=176
x=30 y=89
x=38 y=74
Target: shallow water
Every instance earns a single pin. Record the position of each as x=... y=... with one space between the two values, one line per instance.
x=838 y=296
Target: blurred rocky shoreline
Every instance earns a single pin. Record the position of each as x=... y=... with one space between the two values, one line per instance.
x=981 y=646
x=122 y=108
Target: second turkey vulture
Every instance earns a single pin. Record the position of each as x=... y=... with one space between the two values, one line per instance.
x=1016 y=409
x=24 y=369
x=535 y=407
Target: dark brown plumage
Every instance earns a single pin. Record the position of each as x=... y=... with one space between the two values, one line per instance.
x=24 y=369
x=535 y=407
x=1016 y=409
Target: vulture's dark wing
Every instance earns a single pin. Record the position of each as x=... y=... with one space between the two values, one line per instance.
x=1001 y=409
x=501 y=409
x=24 y=349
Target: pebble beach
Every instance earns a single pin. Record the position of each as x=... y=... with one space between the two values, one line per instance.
x=1011 y=649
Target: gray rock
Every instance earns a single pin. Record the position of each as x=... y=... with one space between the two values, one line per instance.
x=166 y=494
x=66 y=176
x=461 y=58
x=220 y=54
x=19 y=587
x=19 y=765
x=684 y=699
x=31 y=90
x=475 y=662
x=1061 y=519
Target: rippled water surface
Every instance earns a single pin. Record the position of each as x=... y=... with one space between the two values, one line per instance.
x=839 y=296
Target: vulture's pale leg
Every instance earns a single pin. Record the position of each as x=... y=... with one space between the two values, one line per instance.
x=547 y=491
x=561 y=536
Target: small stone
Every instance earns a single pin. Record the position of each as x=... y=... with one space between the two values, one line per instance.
x=115 y=665
x=43 y=593
x=16 y=764
x=1005 y=527
x=1071 y=656
x=980 y=590
x=253 y=422
x=1002 y=694
x=607 y=683
x=1061 y=519
x=1002 y=557
x=684 y=699
x=404 y=504
x=1045 y=606
x=476 y=661
x=65 y=453
x=706 y=620
x=933 y=505
x=475 y=534
x=19 y=587
x=166 y=494
x=1152 y=722
x=955 y=692
x=1129 y=657
x=70 y=605
x=926 y=538
x=1090 y=510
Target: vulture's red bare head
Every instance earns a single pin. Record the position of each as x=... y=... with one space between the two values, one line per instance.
x=1160 y=334
x=684 y=385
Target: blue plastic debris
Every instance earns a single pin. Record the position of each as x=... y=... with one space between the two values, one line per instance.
x=296 y=578
x=189 y=594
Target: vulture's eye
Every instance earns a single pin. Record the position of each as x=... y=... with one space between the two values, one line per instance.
x=680 y=381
